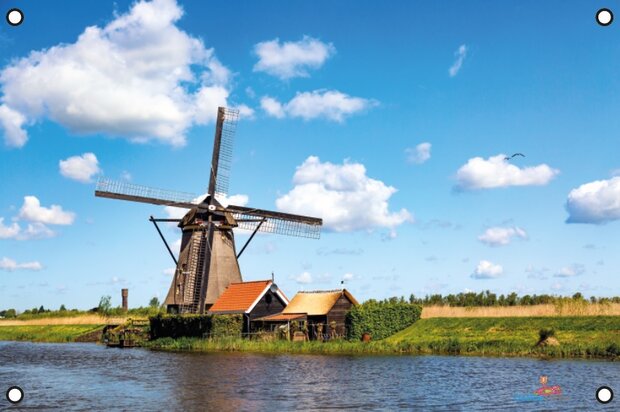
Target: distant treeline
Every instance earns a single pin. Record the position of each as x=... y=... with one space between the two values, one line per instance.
x=104 y=309
x=487 y=298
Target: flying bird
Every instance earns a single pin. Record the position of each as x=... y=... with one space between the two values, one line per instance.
x=516 y=154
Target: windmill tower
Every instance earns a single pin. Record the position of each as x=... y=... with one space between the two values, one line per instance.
x=208 y=260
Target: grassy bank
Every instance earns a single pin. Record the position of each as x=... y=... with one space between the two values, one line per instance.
x=579 y=337
x=46 y=333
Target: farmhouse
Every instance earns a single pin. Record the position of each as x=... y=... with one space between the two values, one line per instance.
x=251 y=299
x=323 y=313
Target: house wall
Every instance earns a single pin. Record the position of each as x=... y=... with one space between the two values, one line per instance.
x=338 y=314
x=263 y=308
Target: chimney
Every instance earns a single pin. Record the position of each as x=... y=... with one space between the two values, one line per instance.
x=124 y=293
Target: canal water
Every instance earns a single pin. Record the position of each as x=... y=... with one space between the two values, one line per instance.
x=89 y=377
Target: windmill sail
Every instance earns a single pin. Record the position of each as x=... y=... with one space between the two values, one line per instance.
x=207 y=261
x=276 y=222
x=222 y=150
x=136 y=193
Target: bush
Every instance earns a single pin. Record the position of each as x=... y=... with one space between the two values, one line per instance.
x=195 y=326
x=546 y=333
x=226 y=325
x=176 y=326
x=613 y=349
x=380 y=319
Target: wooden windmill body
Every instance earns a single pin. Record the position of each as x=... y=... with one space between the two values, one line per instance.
x=208 y=259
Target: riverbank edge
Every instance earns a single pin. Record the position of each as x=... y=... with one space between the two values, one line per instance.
x=439 y=347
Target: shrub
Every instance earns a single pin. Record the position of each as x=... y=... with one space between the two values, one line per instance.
x=226 y=325
x=613 y=349
x=545 y=333
x=176 y=326
x=195 y=326
x=380 y=319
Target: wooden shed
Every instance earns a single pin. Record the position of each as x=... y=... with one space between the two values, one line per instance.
x=251 y=299
x=324 y=312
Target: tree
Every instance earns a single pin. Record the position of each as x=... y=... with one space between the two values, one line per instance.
x=154 y=303
x=105 y=305
x=578 y=296
x=41 y=309
x=62 y=308
x=10 y=313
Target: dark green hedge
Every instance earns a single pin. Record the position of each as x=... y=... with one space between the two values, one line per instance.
x=226 y=325
x=196 y=326
x=380 y=319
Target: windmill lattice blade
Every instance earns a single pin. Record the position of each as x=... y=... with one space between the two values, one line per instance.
x=144 y=194
x=229 y=126
x=277 y=222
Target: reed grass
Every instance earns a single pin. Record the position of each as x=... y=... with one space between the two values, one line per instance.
x=561 y=307
x=68 y=320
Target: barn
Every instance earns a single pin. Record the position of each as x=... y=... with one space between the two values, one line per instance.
x=323 y=312
x=252 y=300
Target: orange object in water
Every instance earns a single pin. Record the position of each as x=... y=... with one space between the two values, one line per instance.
x=549 y=390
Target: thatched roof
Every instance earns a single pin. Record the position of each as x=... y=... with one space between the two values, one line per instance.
x=316 y=302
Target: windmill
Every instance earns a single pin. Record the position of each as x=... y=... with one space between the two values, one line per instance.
x=208 y=261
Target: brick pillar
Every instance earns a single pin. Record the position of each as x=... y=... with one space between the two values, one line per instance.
x=124 y=293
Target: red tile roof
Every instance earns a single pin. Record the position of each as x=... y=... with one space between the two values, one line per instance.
x=240 y=297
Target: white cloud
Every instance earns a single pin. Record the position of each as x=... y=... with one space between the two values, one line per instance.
x=126 y=176
x=8 y=232
x=272 y=107
x=291 y=59
x=420 y=154
x=237 y=200
x=495 y=172
x=10 y=265
x=499 y=236
x=348 y=277
x=35 y=230
x=329 y=104
x=460 y=54
x=178 y=213
x=245 y=112
x=80 y=168
x=138 y=77
x=342 y=195
x=169 y=271
x=595 y=202
x=304 y=278
x=575 y=269
x=176 y=246
x=487 y=270
x=389 y=235
x=54 y=215
x=12 y=122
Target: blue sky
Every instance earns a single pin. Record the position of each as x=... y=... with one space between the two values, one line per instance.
x=390 y=122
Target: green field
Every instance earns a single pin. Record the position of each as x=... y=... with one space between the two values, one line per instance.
x=592 y=336
x=579 y=337
x=46 y=333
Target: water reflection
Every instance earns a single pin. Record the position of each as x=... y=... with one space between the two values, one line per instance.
x=92 y=377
